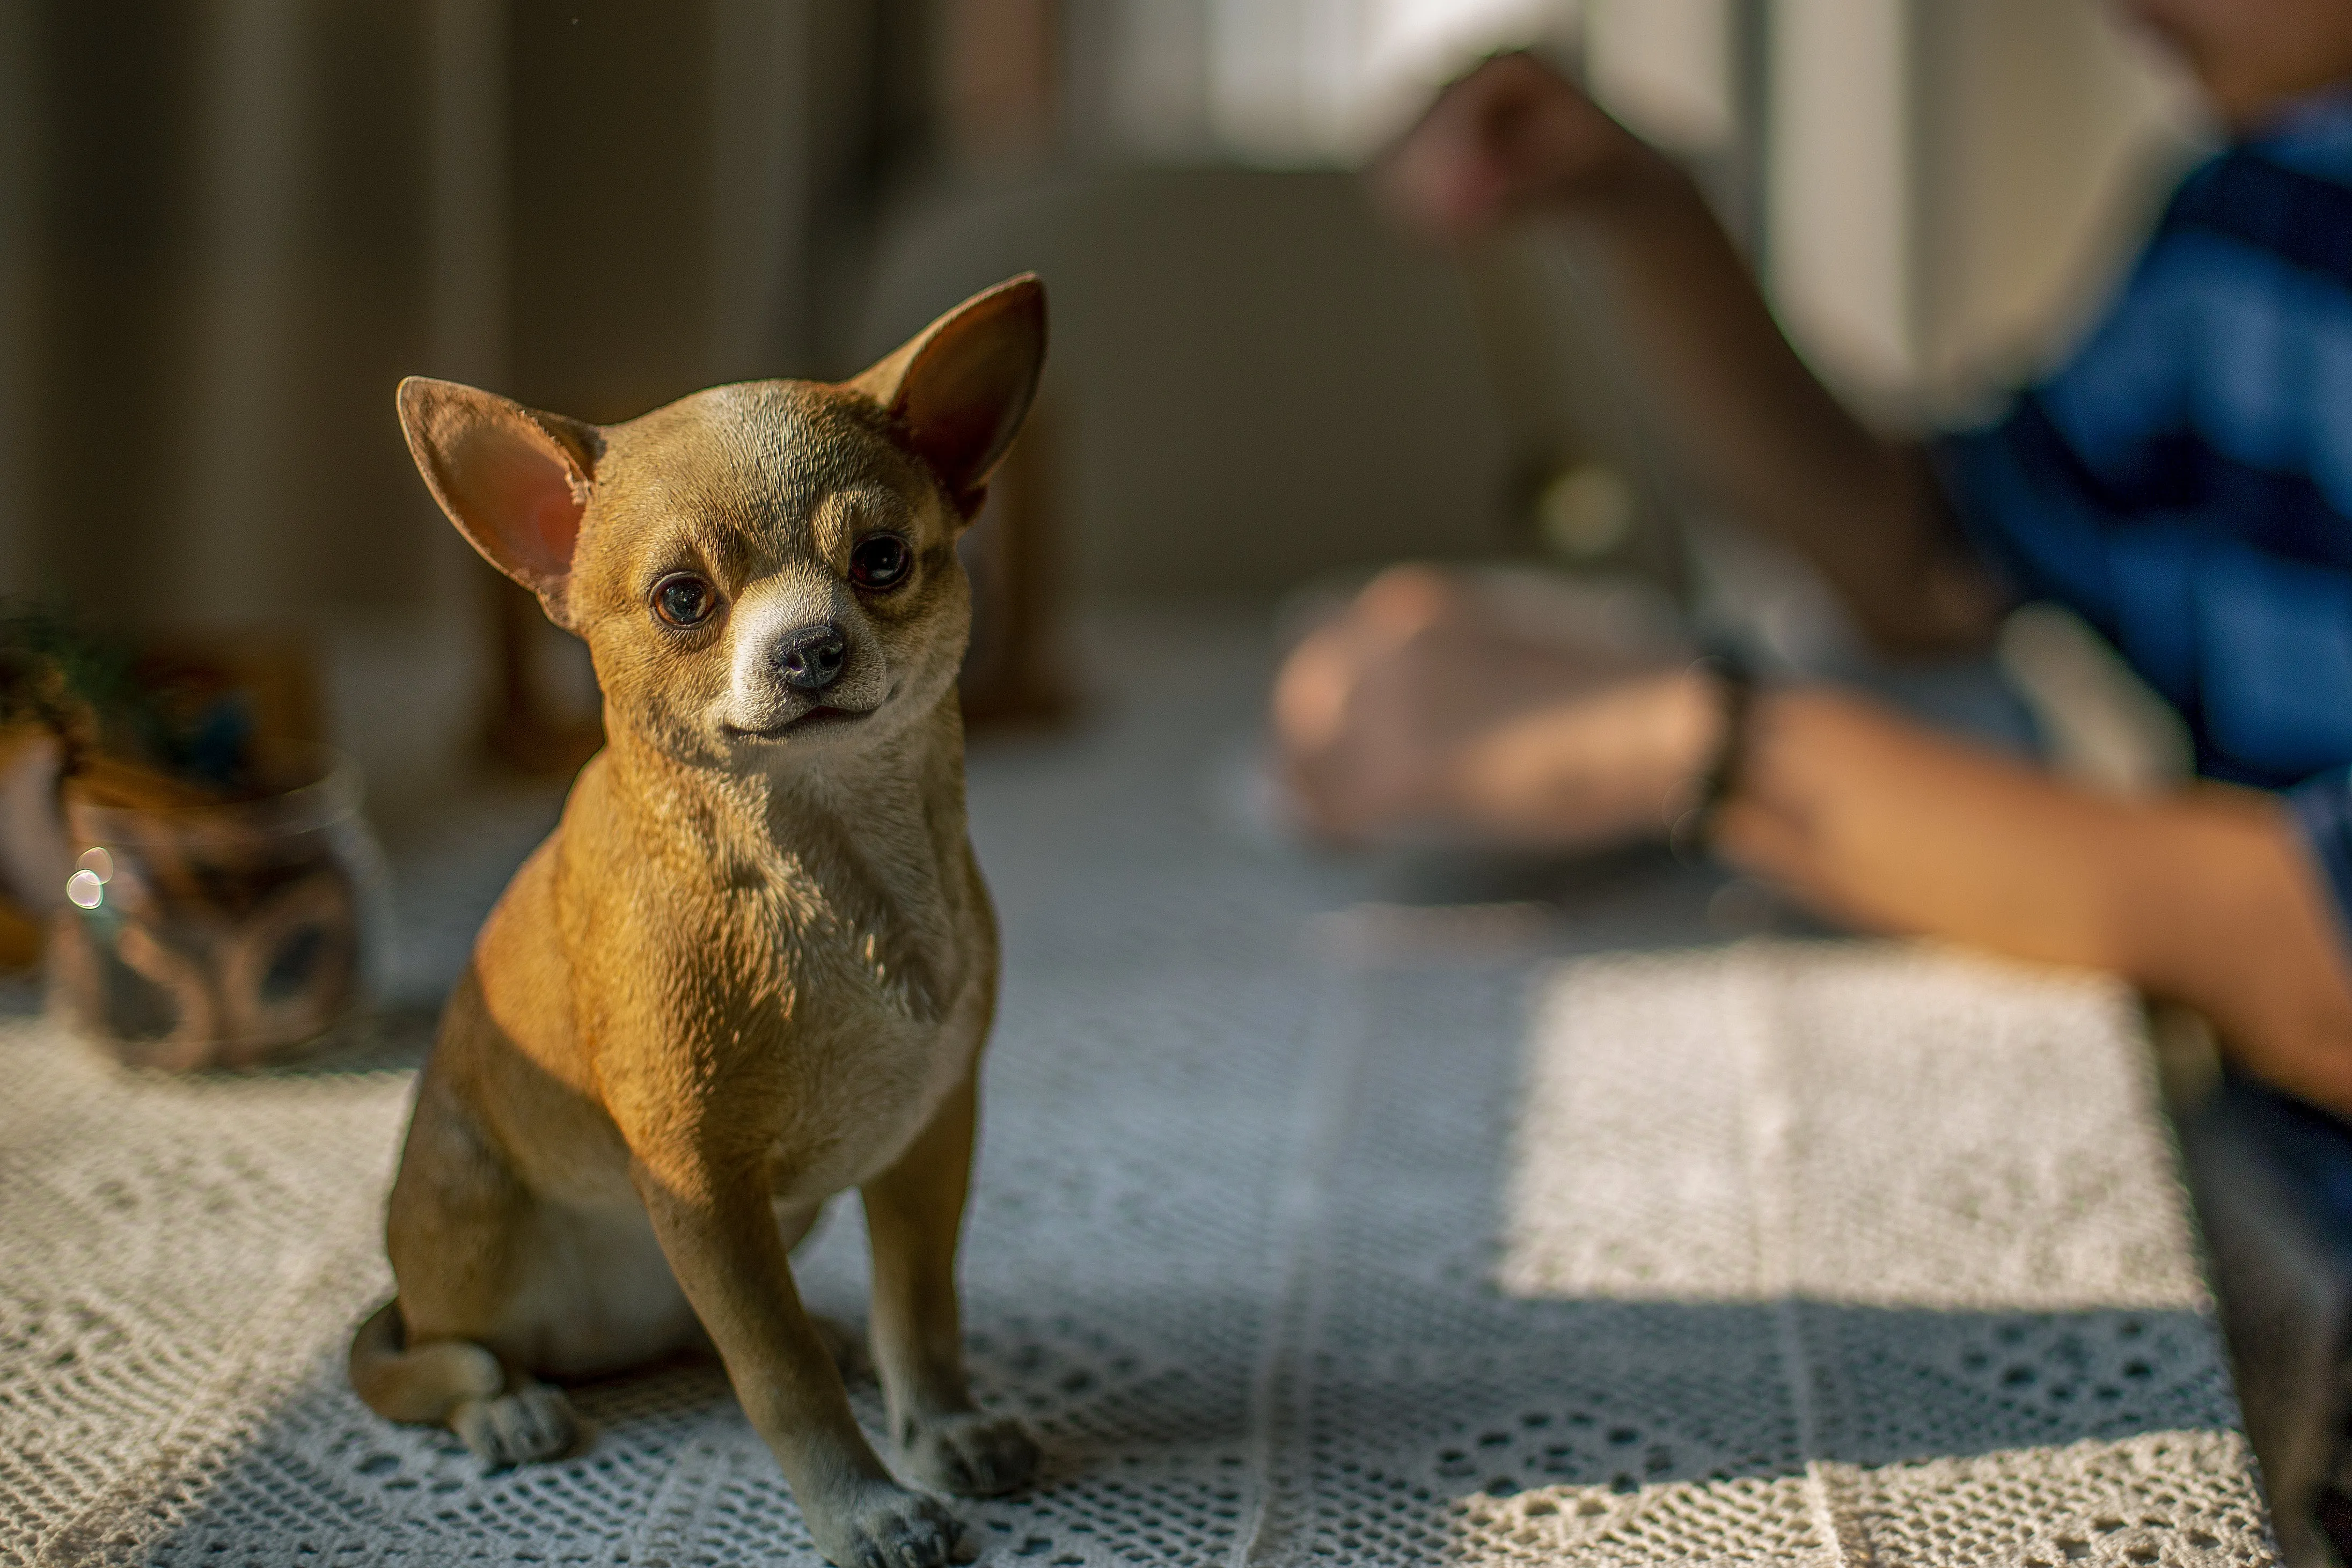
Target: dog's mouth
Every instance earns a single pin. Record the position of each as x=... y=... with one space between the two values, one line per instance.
x=819 y=719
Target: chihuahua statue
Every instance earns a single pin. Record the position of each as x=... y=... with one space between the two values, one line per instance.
x=754 y=964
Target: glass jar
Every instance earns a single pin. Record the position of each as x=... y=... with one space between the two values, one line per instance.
x=231 y=934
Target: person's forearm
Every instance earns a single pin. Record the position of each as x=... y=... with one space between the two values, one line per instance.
x=2206 y=897
x=1749 y=421
x=1888 y=825
x=2216 y=903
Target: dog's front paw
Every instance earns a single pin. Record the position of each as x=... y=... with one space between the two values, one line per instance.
x=534 y=1422
x=885 y=1526
x=969 y=1453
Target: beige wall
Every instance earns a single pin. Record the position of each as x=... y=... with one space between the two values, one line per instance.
x=1257 y=381
x=1839 y=250
x=1253 y=378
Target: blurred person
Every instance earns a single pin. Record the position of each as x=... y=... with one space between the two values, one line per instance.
x=2184 y=484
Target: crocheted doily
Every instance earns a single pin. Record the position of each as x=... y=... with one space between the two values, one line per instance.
x=1795 y=1254
x=1290 y=1251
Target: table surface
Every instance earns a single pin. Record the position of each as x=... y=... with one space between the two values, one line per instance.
x=1308 y=1226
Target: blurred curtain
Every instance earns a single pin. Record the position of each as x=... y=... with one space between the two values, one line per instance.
x=227 y=227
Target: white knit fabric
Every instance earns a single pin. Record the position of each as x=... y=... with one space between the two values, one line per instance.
x=1779 y=1253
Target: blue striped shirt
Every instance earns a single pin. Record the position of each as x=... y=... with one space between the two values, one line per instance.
x=2184 y=483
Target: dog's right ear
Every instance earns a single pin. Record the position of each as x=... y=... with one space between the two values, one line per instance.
x=962 y=386
x=515 y=482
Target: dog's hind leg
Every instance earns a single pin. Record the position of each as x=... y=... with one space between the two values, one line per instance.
x=504 y=1416
x=461 y=1343
x=424 y=1384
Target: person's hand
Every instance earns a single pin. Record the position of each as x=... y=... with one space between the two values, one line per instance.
x=1423 y=710
x=1512 y=136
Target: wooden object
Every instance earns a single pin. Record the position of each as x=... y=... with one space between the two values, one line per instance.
x=1016 y=670
x=529 y=727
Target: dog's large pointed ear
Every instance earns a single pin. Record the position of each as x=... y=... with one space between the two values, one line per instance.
x=962 y=384
x=514 y=480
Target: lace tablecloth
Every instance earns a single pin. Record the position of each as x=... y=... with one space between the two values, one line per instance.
x=1306 y=1230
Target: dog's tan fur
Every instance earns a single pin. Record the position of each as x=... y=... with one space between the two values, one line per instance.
x=748 y=970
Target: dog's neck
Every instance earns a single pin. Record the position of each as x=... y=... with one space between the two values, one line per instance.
x=826 y=803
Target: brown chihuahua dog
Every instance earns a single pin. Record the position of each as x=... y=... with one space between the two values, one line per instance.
x=755 y=963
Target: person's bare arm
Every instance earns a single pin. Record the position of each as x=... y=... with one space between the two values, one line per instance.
x=1746 y=417
x=1418 y=709
x=2206 y=897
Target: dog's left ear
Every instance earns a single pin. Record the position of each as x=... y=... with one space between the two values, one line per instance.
x=962 y=384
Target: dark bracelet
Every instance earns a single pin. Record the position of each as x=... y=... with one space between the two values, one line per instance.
x=1692 y=831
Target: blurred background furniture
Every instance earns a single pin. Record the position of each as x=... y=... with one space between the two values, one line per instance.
x=226 y=230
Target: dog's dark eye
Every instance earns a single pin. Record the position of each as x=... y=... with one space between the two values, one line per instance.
x=683 y=599
x=879 y=562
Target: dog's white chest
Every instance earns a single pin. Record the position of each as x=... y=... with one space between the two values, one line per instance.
x=874 y=1047
x=859 y=1115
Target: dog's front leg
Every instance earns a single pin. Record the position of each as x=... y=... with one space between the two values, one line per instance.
x=719 y=1233
x=913 y=1213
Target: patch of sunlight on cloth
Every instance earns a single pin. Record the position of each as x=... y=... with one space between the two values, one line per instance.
x=1922 y=1130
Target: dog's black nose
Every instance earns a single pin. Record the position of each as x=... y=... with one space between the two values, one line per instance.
x=812 y=657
